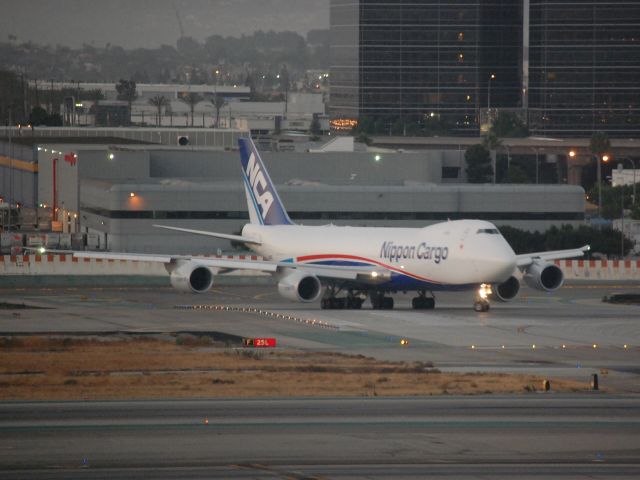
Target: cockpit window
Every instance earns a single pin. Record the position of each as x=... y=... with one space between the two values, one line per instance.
x=490 y=231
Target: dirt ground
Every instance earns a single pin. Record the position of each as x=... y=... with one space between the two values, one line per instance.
x=44 y=368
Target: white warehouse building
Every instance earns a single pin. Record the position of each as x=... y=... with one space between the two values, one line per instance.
x=121 y=191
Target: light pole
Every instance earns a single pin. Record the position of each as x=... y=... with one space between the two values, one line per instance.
x=599 y=160
x=491 y=77
x=622 y=223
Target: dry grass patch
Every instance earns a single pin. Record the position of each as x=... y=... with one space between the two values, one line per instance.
x=43 y=368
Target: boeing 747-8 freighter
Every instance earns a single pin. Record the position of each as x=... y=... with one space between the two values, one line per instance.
x=342 y=266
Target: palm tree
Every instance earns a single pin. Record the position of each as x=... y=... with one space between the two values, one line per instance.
x=192 y=100
x=159 y=101
x=218 y=103
x=127 y=91
x=492 y=143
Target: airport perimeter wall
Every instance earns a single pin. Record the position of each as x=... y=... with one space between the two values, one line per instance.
x=65 y=270
x=12 y=266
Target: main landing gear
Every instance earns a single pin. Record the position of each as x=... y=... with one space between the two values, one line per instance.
x=481 y=303
x=422 y=302
x=330 y=302
x=380 y=302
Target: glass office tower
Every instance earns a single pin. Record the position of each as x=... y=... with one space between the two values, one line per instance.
x=425 y=60
x=568 y=67
x=584 y=70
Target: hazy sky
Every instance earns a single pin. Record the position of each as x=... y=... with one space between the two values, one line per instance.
x=149 y=23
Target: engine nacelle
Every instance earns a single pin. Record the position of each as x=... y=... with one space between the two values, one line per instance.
x=507 y=290
x=188 y=276
x=544 y=276
x=300 y=287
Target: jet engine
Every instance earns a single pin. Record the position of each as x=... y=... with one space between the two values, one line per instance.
x=544 y=276
x=507 y=290
x=188 y=276
x=300 y=287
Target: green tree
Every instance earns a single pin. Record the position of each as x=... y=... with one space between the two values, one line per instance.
x=605 y=241
x=127 y=92
x=509 y=125
x=191 y=99
x=365 y=126
x=38 y=116
x=613 y=199
x=315 y=128
x=492 y=143
x=160 y=102
x=397 y=127
x=218 y=103
x=516 y=174
x=478 y=162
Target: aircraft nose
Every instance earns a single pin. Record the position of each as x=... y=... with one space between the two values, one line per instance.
x=496 y=266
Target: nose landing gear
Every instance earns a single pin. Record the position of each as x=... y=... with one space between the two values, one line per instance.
x=481 y=303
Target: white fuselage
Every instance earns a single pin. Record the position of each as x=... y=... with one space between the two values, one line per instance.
x=450 y=254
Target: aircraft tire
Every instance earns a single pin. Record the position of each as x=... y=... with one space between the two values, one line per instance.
x=481 y=306
x=423 y=303
x=354 y=303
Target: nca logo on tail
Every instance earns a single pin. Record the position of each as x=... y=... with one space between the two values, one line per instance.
x=258 y=184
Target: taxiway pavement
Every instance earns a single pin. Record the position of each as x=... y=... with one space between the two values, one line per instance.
x=570 y=333
x=542 y=436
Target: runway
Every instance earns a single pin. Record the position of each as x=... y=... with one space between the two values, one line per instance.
x=570 y=333
x=530 y=436
x=543 y=436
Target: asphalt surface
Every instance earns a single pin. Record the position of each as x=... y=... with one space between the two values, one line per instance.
x=542 y=436
x=593 y=435
x=570 y=333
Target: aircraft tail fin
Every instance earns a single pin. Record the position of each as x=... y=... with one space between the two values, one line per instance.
x=265 y=206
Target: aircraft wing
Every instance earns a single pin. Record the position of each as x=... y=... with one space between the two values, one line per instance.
x=226 y=236
x=366 y=274
x=227 y=263
x=527 y=259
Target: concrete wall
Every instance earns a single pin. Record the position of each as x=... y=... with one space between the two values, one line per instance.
x=168 y=201
x=220 y=138
x=336 y=168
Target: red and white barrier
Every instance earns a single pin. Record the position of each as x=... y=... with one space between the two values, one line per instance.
x=600 y=269
x=60 y=264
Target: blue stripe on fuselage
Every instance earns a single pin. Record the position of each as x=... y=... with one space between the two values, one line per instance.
x=399 y=281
